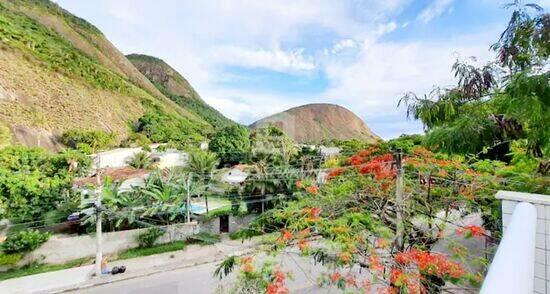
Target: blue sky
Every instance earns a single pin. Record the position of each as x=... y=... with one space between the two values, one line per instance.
x=250 y=59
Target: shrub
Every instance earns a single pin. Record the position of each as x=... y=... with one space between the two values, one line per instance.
x=24 y=241
x=96 y=140
x=141 y=160
x=148 y=238
x=10 y=259
x=203 y=238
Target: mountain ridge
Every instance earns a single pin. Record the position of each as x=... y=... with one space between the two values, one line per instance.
x=59 y=72
x=319 y=122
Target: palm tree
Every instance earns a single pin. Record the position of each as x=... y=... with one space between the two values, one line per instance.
x=141 y=160
x=200 y=166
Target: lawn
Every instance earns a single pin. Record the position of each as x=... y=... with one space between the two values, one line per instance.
x=35 y=268
x=157 y=249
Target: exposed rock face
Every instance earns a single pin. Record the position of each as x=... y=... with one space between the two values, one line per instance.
x=176 y=87
x=314 y=123
x=59 y=72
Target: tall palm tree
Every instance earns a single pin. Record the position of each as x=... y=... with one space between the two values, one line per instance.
x=200 y=166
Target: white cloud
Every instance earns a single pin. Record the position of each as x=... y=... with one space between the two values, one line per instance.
x=372 y=84
x=386 y=28
x=201 y=38
x=435 y=9
x=277 y=60
x=341 y=46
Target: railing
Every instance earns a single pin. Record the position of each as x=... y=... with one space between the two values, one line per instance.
x=513 y=267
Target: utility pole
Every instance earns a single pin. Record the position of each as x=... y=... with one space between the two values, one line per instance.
x=98 y=229
x=399 y=202
x=188 y=205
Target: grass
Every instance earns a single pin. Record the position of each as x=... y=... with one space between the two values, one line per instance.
x=36 y=268
x=157 y=249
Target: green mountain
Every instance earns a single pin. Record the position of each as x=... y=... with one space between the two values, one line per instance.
x=58 y=72
x=176 y=87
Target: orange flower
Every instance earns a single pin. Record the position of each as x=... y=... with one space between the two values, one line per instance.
x=375 y=264
x=299 y=184
x=303 y=244
x=345 y=257
x=312 y=190
x=247 y=267
x=381 y=243
x=335 y=277
x=286 y=235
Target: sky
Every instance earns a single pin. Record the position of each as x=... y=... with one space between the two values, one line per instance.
x=250 y=58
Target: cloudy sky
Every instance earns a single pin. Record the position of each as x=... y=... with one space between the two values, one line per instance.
x=251 y=58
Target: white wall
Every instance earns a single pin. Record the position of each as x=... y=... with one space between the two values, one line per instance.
x=542 y=239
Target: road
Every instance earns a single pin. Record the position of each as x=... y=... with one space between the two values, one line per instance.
x=198 y=280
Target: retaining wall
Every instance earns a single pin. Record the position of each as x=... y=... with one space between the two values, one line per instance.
x=63 y=248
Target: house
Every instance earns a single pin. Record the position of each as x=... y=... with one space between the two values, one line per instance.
x=235 y=175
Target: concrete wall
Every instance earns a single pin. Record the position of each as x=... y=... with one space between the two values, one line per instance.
x=60 y=249
x=63 y=248
x=542 y=240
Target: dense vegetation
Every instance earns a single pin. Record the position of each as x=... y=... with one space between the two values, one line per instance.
x=231 y=144
x=162 y=127
x=58 y=54
x=34 y=181
x=497 y=103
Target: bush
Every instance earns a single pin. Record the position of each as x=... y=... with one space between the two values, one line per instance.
x=148 y=238
x=82 y=140
x=24 y=241
x=10 y=259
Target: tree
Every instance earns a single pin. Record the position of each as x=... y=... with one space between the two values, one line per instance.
x=497 y=103
x=200 y=165
x=231 y=144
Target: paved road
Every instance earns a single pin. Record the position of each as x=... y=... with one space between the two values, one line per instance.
x=199 y=280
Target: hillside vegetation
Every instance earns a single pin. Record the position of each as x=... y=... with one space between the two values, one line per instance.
x=176 y=87
x=58 y=73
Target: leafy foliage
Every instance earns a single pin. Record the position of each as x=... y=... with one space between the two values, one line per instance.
x=10 y=259
x=497 y=103
x=231 y=144
x=162 y=127
x=203 y=238
x=33 y=181
x=141 y=160
x=95 y=140
x=24 y=241
x=148 y=238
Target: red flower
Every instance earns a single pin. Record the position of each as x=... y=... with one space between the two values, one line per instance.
x=334 y=173
x=471 y=231
x=430 y=263
x=355 y=160
x=286 y=235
